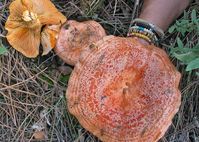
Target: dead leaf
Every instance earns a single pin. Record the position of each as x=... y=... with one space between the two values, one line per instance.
x=65 y=70
x=39 y=135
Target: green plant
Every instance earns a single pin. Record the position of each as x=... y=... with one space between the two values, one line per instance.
x=187 y=53
x=3 y=49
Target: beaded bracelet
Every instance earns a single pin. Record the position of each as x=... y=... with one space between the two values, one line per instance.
x=141 y=36
x=146 y=30
x=143 y=23
x=143 y=33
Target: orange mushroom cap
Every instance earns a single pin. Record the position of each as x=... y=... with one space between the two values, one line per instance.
x=25 y=21
x=75 y=37
x=124 y=91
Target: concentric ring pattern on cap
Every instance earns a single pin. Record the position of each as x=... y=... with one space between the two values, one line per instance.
x=124 y=91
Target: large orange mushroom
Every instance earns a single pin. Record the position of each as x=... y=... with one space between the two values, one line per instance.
x=25 y=22
x=124 y=91
x=75 y=37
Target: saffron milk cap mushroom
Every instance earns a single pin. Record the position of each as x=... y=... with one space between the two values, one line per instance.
x=75 y=37
x=124 y=91
x=25 y=22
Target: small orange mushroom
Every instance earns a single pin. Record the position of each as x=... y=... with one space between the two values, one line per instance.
x=25 y=22
x=124 y=91
x=75 y=37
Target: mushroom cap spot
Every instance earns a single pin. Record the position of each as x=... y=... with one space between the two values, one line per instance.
x=75 y=37
x=124 y=91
